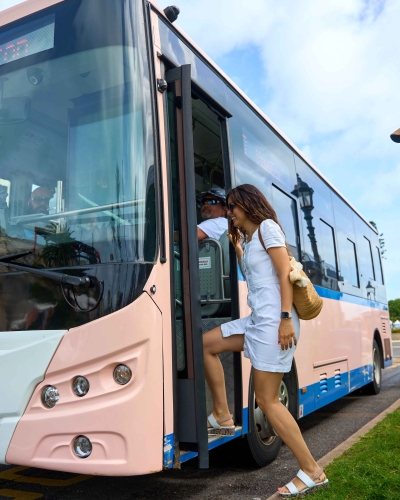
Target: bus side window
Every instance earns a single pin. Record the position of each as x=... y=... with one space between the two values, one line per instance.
x=378 y=266
x=366 y=262
x=286 y=210
x=328 y=255
x=4 y=203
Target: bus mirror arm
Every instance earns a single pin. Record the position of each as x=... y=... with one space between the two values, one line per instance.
x=63 y=279
x=13 y=256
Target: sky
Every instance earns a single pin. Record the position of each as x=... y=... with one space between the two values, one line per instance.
x=327 y=74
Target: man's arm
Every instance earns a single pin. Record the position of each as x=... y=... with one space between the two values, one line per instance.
x=201 y=235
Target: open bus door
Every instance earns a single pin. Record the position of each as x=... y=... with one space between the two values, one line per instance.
x=190 y=322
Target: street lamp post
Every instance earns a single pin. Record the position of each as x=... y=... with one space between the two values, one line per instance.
x=370 y=290
x=305 y=194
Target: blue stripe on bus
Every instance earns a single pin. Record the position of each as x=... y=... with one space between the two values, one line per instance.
x=169 y=451
x=310 y=401
x=326 y=293
x=316 y=398
x=188 y=456
x=333 y=294
x=240 y=274
x=388 y=362
x=245 y=421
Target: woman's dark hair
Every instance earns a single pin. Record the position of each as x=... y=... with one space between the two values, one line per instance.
x=256 y=206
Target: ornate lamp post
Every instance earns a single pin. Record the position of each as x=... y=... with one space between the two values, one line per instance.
x=305 y=194
x=370 y=290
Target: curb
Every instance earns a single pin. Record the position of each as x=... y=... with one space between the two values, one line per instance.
x=342 y=447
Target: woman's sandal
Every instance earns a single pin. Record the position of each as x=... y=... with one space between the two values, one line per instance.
x=311 y=485
x=220 y=430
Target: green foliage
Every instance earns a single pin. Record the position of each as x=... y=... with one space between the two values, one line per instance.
x=59 y=250
x=369 y=470
x=394 y=309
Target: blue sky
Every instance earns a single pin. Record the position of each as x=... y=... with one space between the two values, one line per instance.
x=328 y=76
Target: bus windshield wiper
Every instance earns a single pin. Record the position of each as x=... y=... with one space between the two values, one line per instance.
x=13 y=256
x=64 y=279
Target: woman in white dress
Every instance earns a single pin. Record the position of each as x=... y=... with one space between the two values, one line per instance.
x=268 y=336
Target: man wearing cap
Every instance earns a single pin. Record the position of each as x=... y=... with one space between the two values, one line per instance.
x=213 y=212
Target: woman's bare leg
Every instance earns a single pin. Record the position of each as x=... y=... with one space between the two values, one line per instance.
x=213 y=344
x=266 y=387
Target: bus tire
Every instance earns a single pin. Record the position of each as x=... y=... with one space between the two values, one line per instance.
x=374 y=387
x=264 y=444
x=288 y=392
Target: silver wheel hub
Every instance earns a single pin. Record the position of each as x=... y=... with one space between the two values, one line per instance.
x=376 y=367
x=265 y=431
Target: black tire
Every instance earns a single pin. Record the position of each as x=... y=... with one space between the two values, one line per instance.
x=288 y=392
x=263 y=442
x=374 y=387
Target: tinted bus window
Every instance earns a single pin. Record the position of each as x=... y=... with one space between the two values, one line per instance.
x=349 y=263
x=378 y=266
x=320 y=193
x=347 y=255
x=328 y=251
x=258 y=156
x=366 y=262
x=178 y=52
x=286 y=211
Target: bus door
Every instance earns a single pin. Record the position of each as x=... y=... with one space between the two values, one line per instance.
x=205 y=273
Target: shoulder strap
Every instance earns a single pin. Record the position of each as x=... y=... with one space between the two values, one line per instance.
x=261 y=240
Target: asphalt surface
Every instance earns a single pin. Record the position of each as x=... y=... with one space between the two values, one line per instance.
x=230 y=475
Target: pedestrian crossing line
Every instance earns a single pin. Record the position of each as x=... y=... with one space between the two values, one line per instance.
x=12 y=475
x=19 y=495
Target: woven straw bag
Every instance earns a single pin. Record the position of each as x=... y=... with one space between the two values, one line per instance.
x=306 y=300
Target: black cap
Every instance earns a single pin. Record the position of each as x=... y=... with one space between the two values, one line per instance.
x=218 y=193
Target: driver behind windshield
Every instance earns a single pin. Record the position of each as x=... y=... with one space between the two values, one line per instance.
x=39 y=201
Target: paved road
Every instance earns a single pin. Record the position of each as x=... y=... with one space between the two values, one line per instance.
x=229 y=477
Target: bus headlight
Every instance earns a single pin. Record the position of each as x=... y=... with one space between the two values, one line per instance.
x=122 y=374
x=81 y=386
x=82 y=447
x=50 y=396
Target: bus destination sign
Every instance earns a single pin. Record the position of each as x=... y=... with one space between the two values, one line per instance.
x=29 y=39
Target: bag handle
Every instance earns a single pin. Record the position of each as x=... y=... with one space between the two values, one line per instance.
x=261 y=240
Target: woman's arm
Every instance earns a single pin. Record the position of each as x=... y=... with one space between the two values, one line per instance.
x=238 y=250
x=279 y=257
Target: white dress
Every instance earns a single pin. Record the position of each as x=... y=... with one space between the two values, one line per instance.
x=261 y=327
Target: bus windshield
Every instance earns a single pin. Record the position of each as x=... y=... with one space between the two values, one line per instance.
x=76 y=148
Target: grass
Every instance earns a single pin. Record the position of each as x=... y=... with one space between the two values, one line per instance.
x=370 y=469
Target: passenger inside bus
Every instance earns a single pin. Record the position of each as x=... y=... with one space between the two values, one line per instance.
x=213 y=212
x=39 y=200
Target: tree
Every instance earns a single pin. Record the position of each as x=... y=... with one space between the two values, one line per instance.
x=381 y=240
x=394 y=309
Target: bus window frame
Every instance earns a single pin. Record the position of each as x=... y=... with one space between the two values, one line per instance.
x=296 y=218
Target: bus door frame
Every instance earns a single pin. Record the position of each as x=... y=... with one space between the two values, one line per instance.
x=191 y=417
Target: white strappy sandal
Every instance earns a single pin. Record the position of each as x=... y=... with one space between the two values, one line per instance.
x=220 y=430
x=295 y=493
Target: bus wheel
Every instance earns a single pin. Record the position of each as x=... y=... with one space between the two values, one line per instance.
x=263 y=441
x=375 y=386
x=288 y=392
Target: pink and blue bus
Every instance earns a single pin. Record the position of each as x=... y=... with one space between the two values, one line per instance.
x=112 y=121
